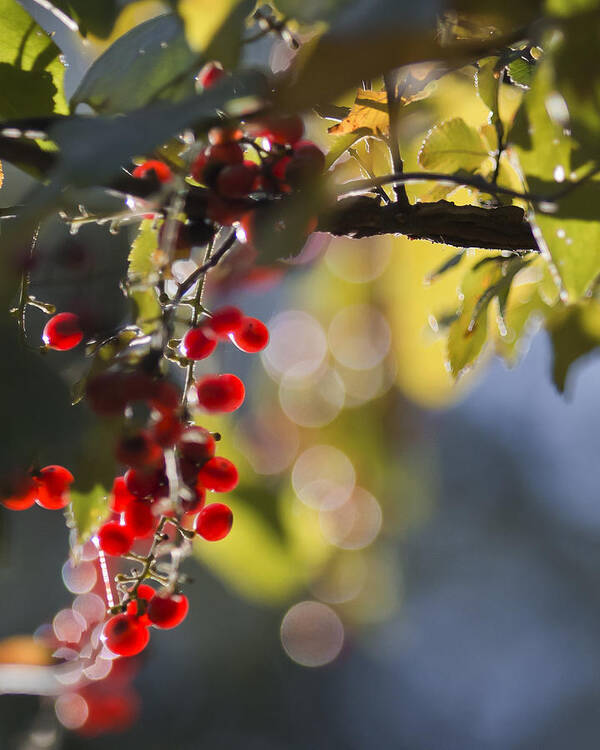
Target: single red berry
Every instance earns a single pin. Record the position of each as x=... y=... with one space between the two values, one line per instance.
x=120 y=497
x=218 y=474
x=209 y=74
x=224 y=321
x=144 y=483
x=237 y=180
x=168 y=611
x=197 y=345
x=306 y=165
x=198 y=166
x=167 y=430
x=139 y=450
x=114 y=539
x=196 y=445
x=214 y=522
x=23 y=493
x=125 y=635
x=62 y=332
x=138 y=518
x=280 y=129
x=252 y=336
x=145 y=593
x=220 y=393
x=160 y=170
x=165 y=396
x=53 y=484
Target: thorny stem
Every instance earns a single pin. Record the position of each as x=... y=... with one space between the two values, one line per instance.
x=380 y=191
x=189 y=282
x=24 y=288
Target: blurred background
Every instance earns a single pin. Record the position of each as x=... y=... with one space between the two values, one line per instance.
x=414 y=562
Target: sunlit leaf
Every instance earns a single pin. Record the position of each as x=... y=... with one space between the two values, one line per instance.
x=88 y=510
x=31 y=73
x=451 y=146
x=575 y=332
x=487 y=82
x=369 y=115
x=142 y=250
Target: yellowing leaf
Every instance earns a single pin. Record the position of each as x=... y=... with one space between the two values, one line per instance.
x=215 y=28
x=369 y=113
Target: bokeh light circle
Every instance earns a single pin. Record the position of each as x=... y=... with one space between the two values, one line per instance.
x=297 y=343
x=312 y=634
x=323 y=477
x=71 y=710
x=80 y=577
x=355 y=524
x=312 y=401
x=359 y=337
x=358 y=261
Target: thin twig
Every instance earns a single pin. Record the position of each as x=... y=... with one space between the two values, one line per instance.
x=393 y=106
x=189 y=282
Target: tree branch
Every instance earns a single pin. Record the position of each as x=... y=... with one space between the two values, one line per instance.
x=501 y=228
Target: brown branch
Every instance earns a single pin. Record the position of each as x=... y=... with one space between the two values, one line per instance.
x=501 y=228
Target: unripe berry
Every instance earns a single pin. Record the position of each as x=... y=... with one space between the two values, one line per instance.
x=252 y=336
x=125 y=635
x=167 y=612
x=62 y=332
x=197 y=345
x=114 y=539
x=219 y=474
x=220 y=393
x=214 y=522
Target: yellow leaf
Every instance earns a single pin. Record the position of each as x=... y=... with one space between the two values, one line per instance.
x=369 y=113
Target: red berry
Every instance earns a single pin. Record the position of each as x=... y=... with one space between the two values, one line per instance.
x=114 y=712
x=196 y=445
x=138 y=450
x=307 y=164
x=53 y=483
x=125 y=635
x=220 y=393
x=160 y=170
x=197 y=345
x=237 y=180
x=252 y=336
x=224 y=321
x=138 y=518
x=168 y=611
x=198 y=166
x=167 y=430
x=209 y=74
x=280 y=129
x=214 y=522
x=120 y=497
x=114 y=539
x=62 y=332
x=23 y=494
x=225 y=212
x=142 y=483
x=164 y=397
x=218 y=474
x=146 y=593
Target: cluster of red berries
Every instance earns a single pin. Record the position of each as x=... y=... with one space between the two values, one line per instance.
x=238 y=188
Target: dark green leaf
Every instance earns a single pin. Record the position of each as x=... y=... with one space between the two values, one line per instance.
x=95 y=17
x=575 y=332
x=521 y=72
x=151 y=61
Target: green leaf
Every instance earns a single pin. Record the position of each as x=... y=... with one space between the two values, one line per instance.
x=142 y=249
x=451 y=146
x=569 y=7
x=339 y=145
x=147 y=308
x=521 y=72
x=575 y=332
x=525 y=307
x=570 y=235
x=216 y=28
x=488 y=83
x=490 y=278
x=31 y=73
x=88 y=510
x=152 y=61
